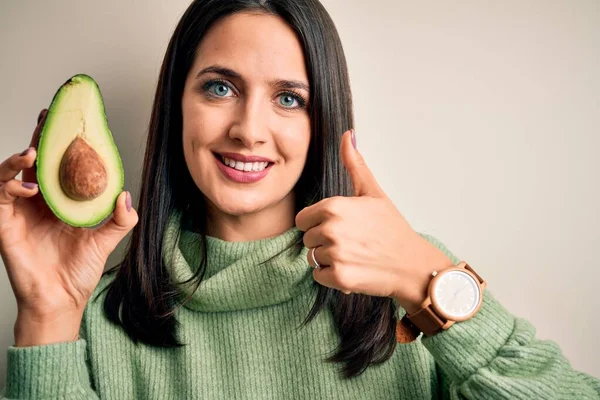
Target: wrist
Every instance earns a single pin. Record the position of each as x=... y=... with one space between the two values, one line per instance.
x=415 y=290
x=30 y=331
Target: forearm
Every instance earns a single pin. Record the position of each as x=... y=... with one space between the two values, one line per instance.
x=497 y=356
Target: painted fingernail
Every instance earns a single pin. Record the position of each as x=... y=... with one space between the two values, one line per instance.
x=29 y=185
x=353 y=138
x=25 y=152
x=128 y=201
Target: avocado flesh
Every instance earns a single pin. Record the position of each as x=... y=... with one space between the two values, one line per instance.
x=77 y=116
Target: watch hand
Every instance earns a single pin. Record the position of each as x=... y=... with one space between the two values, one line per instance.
x=460 y=290
x=451 y=301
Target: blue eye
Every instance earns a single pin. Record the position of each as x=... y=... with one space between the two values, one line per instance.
x=286 y=100
x=290 y=101
x=218 y=89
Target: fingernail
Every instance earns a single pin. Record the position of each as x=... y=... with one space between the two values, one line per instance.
x=128 y=201
x=29 y=185
x=25 y=152
x=353 y=138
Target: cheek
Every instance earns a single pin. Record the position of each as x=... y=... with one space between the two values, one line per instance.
x=293 y=140
x=198 y=131
x=202 y=124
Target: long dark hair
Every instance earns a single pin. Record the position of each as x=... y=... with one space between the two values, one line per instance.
x=141 y=296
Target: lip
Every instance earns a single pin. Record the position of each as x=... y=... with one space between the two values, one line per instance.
x=242 y=176
x=245 y=159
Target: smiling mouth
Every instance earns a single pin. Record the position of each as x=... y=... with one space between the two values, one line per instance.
x=256 y=166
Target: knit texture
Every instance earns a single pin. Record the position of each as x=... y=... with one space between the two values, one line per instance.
x=243 y=341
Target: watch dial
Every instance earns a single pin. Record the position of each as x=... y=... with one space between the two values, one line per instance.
x=457 y=293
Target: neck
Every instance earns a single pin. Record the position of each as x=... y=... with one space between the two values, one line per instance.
x=265 y=223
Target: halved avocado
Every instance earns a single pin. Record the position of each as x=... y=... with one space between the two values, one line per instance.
x=79 y=169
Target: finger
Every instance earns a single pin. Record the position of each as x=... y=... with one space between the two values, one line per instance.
x=11 y=167
x=35 y=137
x=308 y=218
x=320 y=255
x=317 y=213
x=317 y=236
x=363 y=180
x=12 y=190
x=330 y=277
x=29 y=173
x=109 y=235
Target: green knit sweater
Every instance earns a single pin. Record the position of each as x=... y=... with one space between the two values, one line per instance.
x=243 y=342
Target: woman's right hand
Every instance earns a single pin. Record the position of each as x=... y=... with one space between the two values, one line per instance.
x=52 y=267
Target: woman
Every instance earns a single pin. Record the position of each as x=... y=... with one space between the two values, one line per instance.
x=246 y=169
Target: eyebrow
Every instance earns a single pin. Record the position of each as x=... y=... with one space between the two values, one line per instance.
x=219 y=70
x=287 y=84
x=282 y=83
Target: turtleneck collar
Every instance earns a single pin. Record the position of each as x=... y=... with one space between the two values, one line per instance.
x=239 y=275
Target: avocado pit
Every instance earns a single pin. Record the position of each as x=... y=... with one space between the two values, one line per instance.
x=82 y=172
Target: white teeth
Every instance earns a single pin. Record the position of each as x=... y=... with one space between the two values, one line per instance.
x=240 y=166
x=229 y=162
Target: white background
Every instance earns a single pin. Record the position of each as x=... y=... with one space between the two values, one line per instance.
x=480 y=119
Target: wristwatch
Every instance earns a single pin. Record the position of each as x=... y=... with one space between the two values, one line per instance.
x=454 y=294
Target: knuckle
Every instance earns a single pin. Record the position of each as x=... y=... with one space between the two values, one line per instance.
x=12 y=186
x=340 y=279
x=337 y=254
x=329 y=231
x=332 y=205
x=305 y=240
x=308 y=239
x=297 y=221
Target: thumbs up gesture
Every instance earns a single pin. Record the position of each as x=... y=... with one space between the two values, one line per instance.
x=363 y=244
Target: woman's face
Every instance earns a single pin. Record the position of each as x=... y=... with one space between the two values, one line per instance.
x=244 y=108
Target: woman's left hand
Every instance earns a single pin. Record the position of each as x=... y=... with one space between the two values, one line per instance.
x=364 y=244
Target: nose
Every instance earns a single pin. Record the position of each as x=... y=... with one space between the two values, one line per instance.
x=251 y=125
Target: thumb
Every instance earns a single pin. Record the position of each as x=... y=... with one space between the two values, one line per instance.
x=123 y=220
x=363 y=180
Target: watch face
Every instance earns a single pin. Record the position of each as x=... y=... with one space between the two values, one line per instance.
x=457 y=293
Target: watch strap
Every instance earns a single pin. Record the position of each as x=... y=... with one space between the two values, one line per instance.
x=406 y=331
x=427 y=320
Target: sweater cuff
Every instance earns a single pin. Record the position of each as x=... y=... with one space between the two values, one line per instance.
x=46 y=371
x=472 y=344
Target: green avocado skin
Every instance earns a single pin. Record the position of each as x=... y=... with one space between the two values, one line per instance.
x=47 y=177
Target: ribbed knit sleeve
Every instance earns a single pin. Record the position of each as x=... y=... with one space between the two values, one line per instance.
x=53 y=371
x=495 y=355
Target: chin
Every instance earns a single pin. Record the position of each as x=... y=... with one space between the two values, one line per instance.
x=240 y=211
x=239 y=206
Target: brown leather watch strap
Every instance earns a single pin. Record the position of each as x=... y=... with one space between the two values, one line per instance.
x=427 y=321
x=406 y=331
